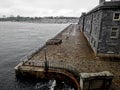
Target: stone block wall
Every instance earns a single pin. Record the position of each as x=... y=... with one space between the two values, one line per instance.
x=96 y=81
x=106 y=44
x=97 y=28
x=81 y=22
x=92 y=28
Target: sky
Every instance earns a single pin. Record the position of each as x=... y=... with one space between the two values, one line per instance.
x=36 y=8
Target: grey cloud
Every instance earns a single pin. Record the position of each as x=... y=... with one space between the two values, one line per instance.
x=46 y=7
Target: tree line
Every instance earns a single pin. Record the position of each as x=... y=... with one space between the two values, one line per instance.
x=22 y=18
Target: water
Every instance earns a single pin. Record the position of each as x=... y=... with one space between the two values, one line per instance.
x=16 y=41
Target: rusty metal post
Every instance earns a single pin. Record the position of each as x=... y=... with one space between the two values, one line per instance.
x=46 y=65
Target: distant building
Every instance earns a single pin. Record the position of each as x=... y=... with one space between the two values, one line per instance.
x=101 y=27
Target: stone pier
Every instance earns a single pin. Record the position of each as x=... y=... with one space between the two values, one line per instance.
x=73 y=54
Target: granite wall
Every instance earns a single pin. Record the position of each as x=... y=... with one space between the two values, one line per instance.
x=106 y=43
x=97 y=26
x=92 y=28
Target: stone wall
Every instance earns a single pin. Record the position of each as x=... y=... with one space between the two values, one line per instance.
x=107 y=44
x=92 y=28
x=81 y=22
x=97 y=28
x=96 y=81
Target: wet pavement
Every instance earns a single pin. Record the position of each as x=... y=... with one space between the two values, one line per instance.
x=76 y=52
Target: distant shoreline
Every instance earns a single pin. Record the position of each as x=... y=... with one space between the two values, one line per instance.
x=57 y=20
x=41 y=22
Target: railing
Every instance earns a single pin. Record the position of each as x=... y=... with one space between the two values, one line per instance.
x=53 y=64
x=50 y=64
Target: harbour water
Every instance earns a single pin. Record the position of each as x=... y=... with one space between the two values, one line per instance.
x=17 y=40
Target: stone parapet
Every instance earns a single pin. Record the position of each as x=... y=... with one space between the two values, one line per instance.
x=96 y=81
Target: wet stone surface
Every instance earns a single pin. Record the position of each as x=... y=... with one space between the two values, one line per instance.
x=76 y=52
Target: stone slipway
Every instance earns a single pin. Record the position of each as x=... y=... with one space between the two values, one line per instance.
x=76 y=52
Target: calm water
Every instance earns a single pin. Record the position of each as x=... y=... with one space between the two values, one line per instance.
x=16 y=41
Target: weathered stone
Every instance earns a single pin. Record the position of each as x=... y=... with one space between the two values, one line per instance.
x=97 y=27
x=54 y=42
x=96 y=81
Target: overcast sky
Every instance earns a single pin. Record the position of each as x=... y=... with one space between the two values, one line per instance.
x=46 y=7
